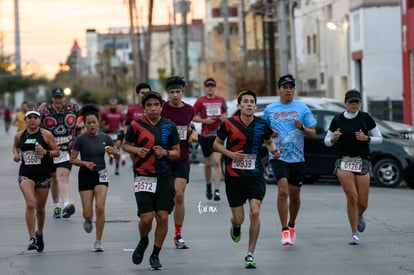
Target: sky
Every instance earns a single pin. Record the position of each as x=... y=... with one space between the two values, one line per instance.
x=48 y=28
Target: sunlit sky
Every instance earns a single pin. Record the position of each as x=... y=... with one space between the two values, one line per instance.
x=48 y=28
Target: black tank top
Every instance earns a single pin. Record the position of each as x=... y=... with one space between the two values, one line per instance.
x=33 y=166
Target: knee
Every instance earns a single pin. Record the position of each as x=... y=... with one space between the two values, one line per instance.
x=162 y=219
x=238 y=219
x=179 y=197
x=99 y=208
x=254 y=215
x=31 y=204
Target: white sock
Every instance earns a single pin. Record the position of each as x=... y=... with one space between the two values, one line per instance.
x=65 y=204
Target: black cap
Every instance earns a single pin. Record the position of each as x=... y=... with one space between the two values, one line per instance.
x=352 y=95
x=57 y=92
x=286 y=79
x=210 y=82
x=149 y=95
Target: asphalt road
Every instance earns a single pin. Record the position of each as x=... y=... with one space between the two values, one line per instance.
x=387 y=245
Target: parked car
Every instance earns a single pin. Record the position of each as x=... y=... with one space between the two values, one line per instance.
x=392 y=160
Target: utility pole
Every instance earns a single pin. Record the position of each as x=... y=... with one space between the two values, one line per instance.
x=225 y=12
x=269 y=17
x=134 y=44
x=243 y=38
x=17 y=57
x=185 y=8
x=292 y=5
x=283 y=53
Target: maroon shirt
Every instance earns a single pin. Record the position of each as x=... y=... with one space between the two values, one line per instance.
x=210 y=107
x=135 y=111
x=182 y=118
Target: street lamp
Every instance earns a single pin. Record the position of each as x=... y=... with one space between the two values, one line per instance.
x=67 y=91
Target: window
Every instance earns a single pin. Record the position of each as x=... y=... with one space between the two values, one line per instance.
x=314 y=43
x=308 y=44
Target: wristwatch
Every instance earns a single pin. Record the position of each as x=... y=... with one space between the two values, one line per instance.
x=302 y=127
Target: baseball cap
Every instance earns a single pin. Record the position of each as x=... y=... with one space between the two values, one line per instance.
x=149 y=95
x=57 y=92
x=352 y=95
x=286 y=79
x=210 y=81
x=31 y=112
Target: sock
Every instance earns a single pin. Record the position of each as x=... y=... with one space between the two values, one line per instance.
x=217 y=190
x=144 y=240
x=249 y=253
x=291 y=224
x=178 y=229
x=57 y=204
x=236 y=230
x=65 y=204
x=285 y=228
x=156 y=251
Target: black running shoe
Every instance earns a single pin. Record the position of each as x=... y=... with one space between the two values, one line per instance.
x=68 y=211
x=32 y=244
x=39 y=242
x=209 y=193
x=138 y=254
x=216 y=195
x=155 y=263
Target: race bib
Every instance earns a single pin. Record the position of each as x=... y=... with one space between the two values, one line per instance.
x=63 y=156
x=114 y=136
x=31 y=158
x=103 y=175
x=247 y=163
x=213 y=109
x=351 y=164
x=145 y=184
x=182 y=132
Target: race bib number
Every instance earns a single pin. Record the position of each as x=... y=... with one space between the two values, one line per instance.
x=182 y=132
x=114 y=136
x=103 y=175
x=213 y=109
x=63 y=156
x=145 y=184
x=247 y=163
x=31 y=158
x=351 y=164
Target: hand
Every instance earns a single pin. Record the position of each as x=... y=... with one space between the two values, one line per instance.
x=361 y=136
x=298 y=124
x=159 y=151
x=16 y=157
x=209 y=120
x=336 y=135
x=275 y=133
x=142 y=152
x=276 y=154
x=90 y=165
x=237 y=156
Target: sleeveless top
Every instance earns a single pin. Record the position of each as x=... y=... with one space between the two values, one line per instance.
x=33 y=166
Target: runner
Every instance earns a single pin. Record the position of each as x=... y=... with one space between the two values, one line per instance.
x=111 y=124
x=33 y=146
x=245 y=135
x=154 y=141
x=182 y=115
x=60 y=119
x=210 y=110
x=93 y=177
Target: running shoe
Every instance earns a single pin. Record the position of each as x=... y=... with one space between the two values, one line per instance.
x=354 y=239
x=87 y=225
x=217 y=195
x=286 y=240
x=98 y=246
x=68 y=211
x=209 y=193
x=235 y=238
x=57 y=213
x=39 y=242
x=249 y=261
x=32 y=244
x=292 y=233
x=180 y=243
x=117 y=172
x=155 y=263
x=361 y=223
x=138 y=254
